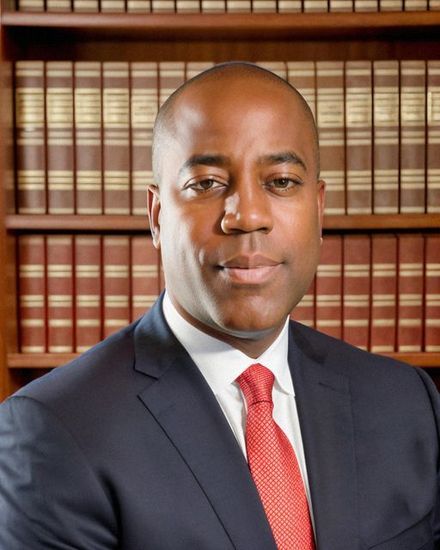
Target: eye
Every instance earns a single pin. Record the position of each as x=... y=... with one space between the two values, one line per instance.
x=204 y=185
x=282 y=184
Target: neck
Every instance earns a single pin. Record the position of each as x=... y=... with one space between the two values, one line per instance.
x=251 y=344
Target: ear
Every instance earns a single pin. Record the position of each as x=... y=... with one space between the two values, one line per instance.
x=153 y=203
x=321 y=204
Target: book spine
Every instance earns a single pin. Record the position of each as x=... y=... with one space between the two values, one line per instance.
x=31 y=5
x=330 y=118
x=302 y=76
x=305 y=311
x=341 y=5
x=32 y=293
x=432 y=289
x=357 y=290
x=238 y=6
x=264 y=6
x=366 y=5
x=30 y=137
x=390 y=5
x=86 y=6
x=213 y=6
x=60 y=294
x=58 y=6
x=315 y=6
x=59 y=117
x=359 y=137
x=144 y=99
x=416 y=5
x=163 y=6
x=433 y=138
x=384 y=294
x=144 y=275
x=113 y=6
x=88 y=292
x=289 y=6
x=139 y=6
x=412 y=152
x=88 y=137
x=171 y=76
x=329 y=287
x=410 y=298
x=116 y=284
x=386 y=137
x=116 y=107
x=187 y=6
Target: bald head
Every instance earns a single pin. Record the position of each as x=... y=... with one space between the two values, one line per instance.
x=223 y=75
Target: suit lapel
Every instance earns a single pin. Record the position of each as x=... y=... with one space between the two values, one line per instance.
x=325 y=414
x=183 y=404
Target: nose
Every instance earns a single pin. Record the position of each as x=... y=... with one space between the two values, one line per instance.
x=247 y=209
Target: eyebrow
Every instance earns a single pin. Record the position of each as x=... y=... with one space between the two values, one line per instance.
x=204 y=160
x=285 y=157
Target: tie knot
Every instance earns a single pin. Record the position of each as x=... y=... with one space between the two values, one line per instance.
x=256 y=383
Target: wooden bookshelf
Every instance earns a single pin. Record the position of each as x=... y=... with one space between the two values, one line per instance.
x=139 y=224
x=184 y=37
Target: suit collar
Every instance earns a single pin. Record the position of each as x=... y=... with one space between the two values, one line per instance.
x=325 y=414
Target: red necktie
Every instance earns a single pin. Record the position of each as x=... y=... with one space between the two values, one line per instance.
x=273 y=464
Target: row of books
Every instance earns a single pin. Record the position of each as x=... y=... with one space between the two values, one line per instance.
x=226 y=6
x=83 y=132
x=380 y=292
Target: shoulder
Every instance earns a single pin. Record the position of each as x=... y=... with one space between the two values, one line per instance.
x=366 y=372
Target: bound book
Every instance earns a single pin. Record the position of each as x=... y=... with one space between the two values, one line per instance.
x=432 y=293
x=330 y=118
x=116 y=146
x=358 y=117
x=60 y=294
x=329 y=287
x=384 y=294
x=32 y=292
x=88 y=137
x=412 y=141
x=386 y=137
x=30 y=124
x=88 y=291
x=410 y=318
x=357 y=290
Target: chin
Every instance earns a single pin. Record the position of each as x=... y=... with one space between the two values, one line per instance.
x=251 y=327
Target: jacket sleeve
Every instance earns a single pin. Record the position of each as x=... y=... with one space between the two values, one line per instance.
x=50 y=497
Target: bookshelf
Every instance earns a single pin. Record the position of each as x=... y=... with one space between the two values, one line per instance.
x=184 y=37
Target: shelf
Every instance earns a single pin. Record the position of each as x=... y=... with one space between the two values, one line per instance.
x=51 y=360
x=139 y=224
x=236 y=26
x=78 y=223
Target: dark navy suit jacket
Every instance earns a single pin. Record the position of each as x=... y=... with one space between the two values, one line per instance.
x=126 y=448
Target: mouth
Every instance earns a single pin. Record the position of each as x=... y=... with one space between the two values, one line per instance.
x=249 y=270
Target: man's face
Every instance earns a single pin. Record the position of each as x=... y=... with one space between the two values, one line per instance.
x=238 y=212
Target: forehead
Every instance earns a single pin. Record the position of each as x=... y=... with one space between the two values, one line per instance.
x=235 y=108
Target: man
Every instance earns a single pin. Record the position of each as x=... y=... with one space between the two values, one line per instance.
x=152 y=440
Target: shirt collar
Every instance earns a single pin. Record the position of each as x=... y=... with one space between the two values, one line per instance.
x=219 y=362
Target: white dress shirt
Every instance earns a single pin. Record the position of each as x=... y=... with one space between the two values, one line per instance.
x=221 y=364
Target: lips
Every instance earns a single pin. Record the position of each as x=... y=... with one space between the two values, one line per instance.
x=249 y=269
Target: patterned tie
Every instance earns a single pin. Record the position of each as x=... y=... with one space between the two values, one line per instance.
x=273 y=464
